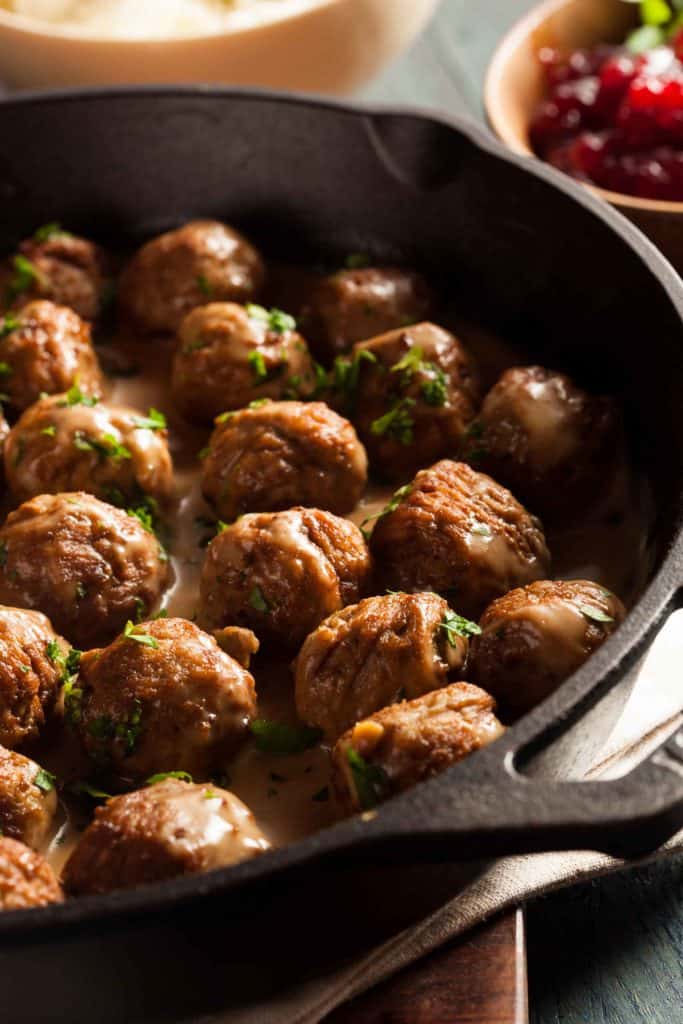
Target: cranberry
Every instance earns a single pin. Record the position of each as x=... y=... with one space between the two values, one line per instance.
x=677 y=43
x=570 y=109
x=651 y=114
x=579 y=64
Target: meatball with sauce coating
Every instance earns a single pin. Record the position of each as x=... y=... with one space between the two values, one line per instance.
x=375 y=653
x=71 y=442
x=461 y=534
x=28 y=799
x=203 y=261
x=416 y=393
x=407 y=743
x=57 y=266
x=169 y=829
x=282 y=573
x=356 y=304
x=31 y=667
x=230 y=355
x=163 y=697
x=282 y=454
x=552 y=444
x=44 y=349
x=535 y=637
x=26 y=878
x=91 y=567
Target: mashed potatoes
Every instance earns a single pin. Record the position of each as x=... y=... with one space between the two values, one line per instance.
x=150 y=19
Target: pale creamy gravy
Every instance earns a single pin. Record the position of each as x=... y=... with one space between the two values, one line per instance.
x=288 y=794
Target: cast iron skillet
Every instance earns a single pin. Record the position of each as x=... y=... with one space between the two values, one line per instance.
x=525 y=250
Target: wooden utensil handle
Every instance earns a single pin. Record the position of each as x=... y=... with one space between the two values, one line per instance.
x=481 y=980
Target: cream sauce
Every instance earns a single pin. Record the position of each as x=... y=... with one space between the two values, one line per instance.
x=289 y=794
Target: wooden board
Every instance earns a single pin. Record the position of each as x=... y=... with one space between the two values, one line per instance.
x=480 y=980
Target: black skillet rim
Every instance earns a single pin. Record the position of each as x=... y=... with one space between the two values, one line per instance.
x=616 y=656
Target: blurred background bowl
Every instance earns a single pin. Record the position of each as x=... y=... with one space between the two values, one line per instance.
x=332 y=47
x=515 y=84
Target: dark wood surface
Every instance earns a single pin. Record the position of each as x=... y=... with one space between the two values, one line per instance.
x=607 y=953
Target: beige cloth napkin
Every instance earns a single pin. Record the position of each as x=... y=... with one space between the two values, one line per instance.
x=654 y=711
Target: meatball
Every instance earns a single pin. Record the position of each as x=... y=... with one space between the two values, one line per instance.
x=282 y=573
x=410 y=742
x=282 y=454
x=182 y=269
x=163 y=697
x=375 y=653
x=28 y=799
x=353 y=305
x=171 y=828
x=552 y=444
x=241 y=644
x=58 y=266
x=89 y=566
x=32 y=660
x=535 y=637
x=70 y=442
x=230 y=355
x=44 y=349
x=415 y=394
x=26 y=878
x=461 y=534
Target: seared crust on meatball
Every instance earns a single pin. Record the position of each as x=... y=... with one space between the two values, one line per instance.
x=282 y=573
x=535 y=637
x=165 y=697
x=407 y=743
x=44 y=349
x=61 y=267
x=88 y=565
x=30 y=672
x=63 y=443
x=26 y=878
x=373 y=654
x=417 y=391
x=282 y=454
x=461 y=534
x=169 y=829
x=230 y=355
x=353 y=305
x=552 y=444
x=28 y=799
x=202 y=261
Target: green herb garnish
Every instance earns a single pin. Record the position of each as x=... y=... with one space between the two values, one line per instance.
x=280 y=738
x=154 y=420
x=274 y=319
x=49 y=431
x=397 y=423
x=589 y=611
x=75 y=396
x=9 y=323
x=370 y=781
x=45 y=780
x=25 y=275
x=50 y=231
x=456 y=625
x=395 y=501
x=258 y=601
x=204 y=285
x=132 y=632
x=162 y=776
x=258 y=366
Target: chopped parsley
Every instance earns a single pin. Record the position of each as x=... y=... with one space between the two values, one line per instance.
x=456 y=625
x=480 y=529
x=75 y=396
x=129 y=730
x=397 y=423
x=274 y=319
x=85 y=788
x=154 y=420
x=25 y=275
x=258 y=403
x=132 y=632
x=279 y=738
x=433 y=391
x=395 y=501
x=140 y=610
x=73 y=702
x=49 y=231
x=49 y=431
x=370 y=781
x=346 y=374
x=162 y=776
x=5 y=369
x=258 y=601
x=9 y=323
x=204 y=285
x=589 y=611
x=258 y=366
x=107 y=446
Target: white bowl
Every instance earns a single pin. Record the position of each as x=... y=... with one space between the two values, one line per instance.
x=332 y=47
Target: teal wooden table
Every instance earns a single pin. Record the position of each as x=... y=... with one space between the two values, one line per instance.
x=610 y=952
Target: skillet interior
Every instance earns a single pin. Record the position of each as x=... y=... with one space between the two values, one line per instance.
x=553 y=274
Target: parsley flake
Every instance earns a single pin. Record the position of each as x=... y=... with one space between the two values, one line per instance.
x=131 y=632
x=25 y=275
x=455 y=625
x=275 y=320
x=370 y=781
x=75 y=396
x=279 y=738
x=258 y=366
x=395 y=501
x=397 y=423
x=154 y=420
x=258 y=601
x=49 y=431
x=49 y=231
x=589 y=611
x=162 y=776
x=9 y=323
x=45 y=780
x=204 y=285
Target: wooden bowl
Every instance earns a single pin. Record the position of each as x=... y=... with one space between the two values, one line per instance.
x=328 y=46
x=515 y=84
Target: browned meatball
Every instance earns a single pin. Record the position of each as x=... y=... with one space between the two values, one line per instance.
x=28 y=799
x=26 y=878
x=535 y=637
x=230 y=355
x=169 y=829
x=163 y=697
x=416 y=392
x=201 y=262
x=58 y=266
x=73 y=443
x=282 y=454
x=376 y=653
x=353 y=305
x=31 y=668
x=552 y=444
x=410 y=742
x=282 y=573
x=461 y=534
x=89 y=566
x=44 y=349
